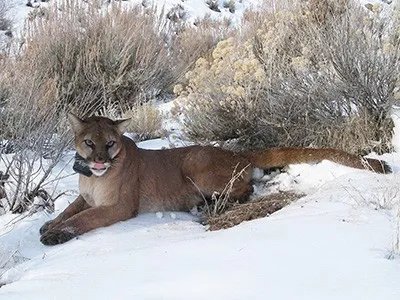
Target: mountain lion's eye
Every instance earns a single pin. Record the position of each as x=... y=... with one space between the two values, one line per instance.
x=110 y=144
x=89 y=143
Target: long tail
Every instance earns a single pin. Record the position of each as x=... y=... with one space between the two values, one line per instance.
x=280 y=157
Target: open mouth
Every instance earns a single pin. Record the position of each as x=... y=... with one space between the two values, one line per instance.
x=99 y=167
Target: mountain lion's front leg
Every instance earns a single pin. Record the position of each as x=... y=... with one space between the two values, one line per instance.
x=75 y=207
x=85 y=221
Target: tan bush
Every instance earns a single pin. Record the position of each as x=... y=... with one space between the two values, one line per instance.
x=146 y=122
x=218 y=94
x=193 y=41
x=323 y=11
x=298 y=80
x=117 y=55
x=358 y=134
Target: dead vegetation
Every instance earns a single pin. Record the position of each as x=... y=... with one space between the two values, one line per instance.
x=117 y=56
x=301 y=76
x=236 y=213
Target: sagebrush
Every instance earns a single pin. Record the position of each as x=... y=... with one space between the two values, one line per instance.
x=118 y=55
x=308 y=72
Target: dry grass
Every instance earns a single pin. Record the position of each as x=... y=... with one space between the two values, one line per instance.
x=237 y=213
x=359 y=135
x=146 y=122
x=222 y=212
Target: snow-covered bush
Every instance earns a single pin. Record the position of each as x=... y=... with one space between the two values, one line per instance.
x=323 y=73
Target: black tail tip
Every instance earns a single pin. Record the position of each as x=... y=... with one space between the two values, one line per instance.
x=378 y=166
x=386 y=168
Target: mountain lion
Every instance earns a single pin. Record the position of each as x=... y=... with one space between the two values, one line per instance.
x=123 y=180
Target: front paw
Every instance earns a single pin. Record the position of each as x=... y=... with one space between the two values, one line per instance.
x=46 y=226
x=58 y=236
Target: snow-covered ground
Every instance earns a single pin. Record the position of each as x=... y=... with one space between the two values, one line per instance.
x=335 y=243
x=340 y=241
x=190 y=10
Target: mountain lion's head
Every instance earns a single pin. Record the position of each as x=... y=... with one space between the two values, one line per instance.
x=98 y=140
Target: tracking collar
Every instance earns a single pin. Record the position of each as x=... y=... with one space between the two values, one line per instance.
x=80 y=166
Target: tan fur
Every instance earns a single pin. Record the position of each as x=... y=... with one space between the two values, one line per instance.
x=139 y=180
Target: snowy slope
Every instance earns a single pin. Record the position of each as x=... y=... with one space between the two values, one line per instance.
x=193 y=9
x=335 y=243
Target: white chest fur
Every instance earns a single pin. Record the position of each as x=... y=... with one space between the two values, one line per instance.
x=97 y=191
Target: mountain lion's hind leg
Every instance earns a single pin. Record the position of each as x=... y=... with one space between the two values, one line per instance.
x=241 y=190
x=236 y=186
x=214 y=170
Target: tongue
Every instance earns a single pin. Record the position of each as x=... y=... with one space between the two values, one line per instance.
x=99 y=166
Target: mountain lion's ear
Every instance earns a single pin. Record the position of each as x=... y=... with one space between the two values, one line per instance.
x=122 y=124
x=75 y=122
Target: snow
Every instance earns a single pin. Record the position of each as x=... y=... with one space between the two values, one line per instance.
x=198 y=9
x=337 y=242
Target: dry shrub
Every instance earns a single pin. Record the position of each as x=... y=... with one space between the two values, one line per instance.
x=114 y=55
x=358 y=134
x=253 y=19
x=300 y=78
x=192 y=41
x=35 y=138
x=237 y=213
x=34 y=135
x=119 y=55
x=146 y=122
x=216 y=93
x=322 y=11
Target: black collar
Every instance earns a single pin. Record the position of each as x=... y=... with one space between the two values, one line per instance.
x=80 y=166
